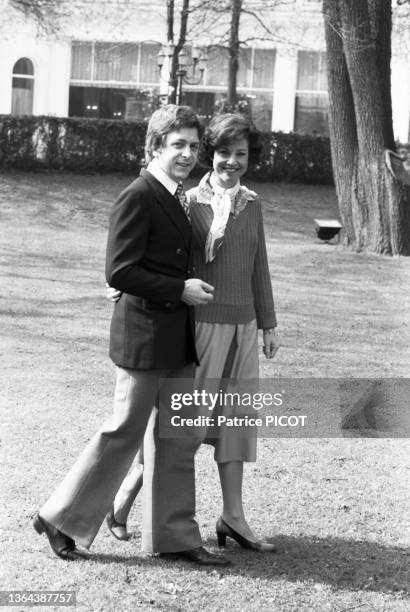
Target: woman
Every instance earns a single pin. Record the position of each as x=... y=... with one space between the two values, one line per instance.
x=229 y=252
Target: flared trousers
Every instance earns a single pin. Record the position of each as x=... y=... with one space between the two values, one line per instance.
x=80 y=503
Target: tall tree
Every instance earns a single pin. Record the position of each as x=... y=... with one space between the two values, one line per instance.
x=180 y=42
x=233 y=51
x=256 y=11
x=374 y=205
x=178 y=14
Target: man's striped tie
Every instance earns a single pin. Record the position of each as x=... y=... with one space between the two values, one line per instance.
x=183 y=200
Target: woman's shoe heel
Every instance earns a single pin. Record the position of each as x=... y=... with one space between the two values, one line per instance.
x=37 y=524
x=221 y=539
x=223 y=530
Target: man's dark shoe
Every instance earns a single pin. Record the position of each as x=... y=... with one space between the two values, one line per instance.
x=62 y=545
x=199 y=555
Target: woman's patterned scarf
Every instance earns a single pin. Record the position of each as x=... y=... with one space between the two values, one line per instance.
x=223 y=202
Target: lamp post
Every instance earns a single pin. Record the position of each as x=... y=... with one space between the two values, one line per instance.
x=188 y=70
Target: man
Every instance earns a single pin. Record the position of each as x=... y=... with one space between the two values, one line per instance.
x=152 y=343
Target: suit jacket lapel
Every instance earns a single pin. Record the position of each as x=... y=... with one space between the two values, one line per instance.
x=170 y=205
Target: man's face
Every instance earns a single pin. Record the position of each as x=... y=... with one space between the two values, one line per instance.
x=178 y=153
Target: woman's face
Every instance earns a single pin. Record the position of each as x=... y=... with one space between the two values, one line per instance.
x=230 y=162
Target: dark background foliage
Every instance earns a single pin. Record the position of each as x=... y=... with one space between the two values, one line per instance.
x=101 y=145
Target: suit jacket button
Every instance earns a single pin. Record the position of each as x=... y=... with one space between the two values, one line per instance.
x=168 y=305
x=179 y=251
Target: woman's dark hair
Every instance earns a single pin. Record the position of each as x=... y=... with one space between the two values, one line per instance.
x=227 y=128
x=169 y=118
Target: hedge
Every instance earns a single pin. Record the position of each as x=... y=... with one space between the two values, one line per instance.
x=102 y=145
x=296 y=158
x=80 y=145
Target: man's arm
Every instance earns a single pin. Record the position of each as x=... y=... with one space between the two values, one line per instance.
x=127 y=241
x=195 y=292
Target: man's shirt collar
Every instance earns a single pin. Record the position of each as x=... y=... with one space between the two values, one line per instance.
x=161 y=176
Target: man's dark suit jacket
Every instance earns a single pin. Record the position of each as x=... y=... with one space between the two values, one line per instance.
x=148 y=259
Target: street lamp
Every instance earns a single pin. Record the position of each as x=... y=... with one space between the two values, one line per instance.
x=190 y=72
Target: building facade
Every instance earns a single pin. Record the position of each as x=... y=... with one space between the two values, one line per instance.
x=106 y=66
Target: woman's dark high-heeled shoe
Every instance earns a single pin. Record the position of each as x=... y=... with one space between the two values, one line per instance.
x=118 y=530
x=223 y=530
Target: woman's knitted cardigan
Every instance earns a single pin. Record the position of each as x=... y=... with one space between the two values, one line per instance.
x=239 y=272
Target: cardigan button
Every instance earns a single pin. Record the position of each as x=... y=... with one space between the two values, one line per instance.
x=179 y=251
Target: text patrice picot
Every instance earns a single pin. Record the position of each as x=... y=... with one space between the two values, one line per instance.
x=257 y=401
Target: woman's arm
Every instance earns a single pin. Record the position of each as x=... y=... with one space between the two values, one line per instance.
x=261 y=281
x=262 y=294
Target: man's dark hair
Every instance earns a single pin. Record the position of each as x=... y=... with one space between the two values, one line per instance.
x=227 y=128
x=169 y=118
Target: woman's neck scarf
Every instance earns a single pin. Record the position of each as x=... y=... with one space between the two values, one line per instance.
x=221 y=203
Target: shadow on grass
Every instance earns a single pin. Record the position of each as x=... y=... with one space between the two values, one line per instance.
x=343 y=564
x=108 y=558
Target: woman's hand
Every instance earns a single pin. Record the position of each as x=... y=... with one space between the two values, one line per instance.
x=112 y=294
x=271 y=342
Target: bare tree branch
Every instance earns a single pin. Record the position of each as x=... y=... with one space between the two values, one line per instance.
x=46 y=13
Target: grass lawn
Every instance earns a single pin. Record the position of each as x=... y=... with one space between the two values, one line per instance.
x=336 y=507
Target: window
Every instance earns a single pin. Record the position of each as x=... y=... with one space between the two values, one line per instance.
x=256 y=68
x=312 y=71
x=116 y=80
x=261 y=105
x=81 y=61
x=311 y=114
x=217 y=67
x=105 y=79
x=202 y=101
x=149 y=72
x=264 y=68
x=115 y=62
x=244 y=78
x=22 y=87
x=98 y=102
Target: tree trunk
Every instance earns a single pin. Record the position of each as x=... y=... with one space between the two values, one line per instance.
x=233 y=52
x=374 y=206
x=170 y=19
x=173 y=80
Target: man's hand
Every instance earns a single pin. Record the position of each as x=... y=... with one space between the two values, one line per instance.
x=271 y=342
x=197 y=292
x=112 y=294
